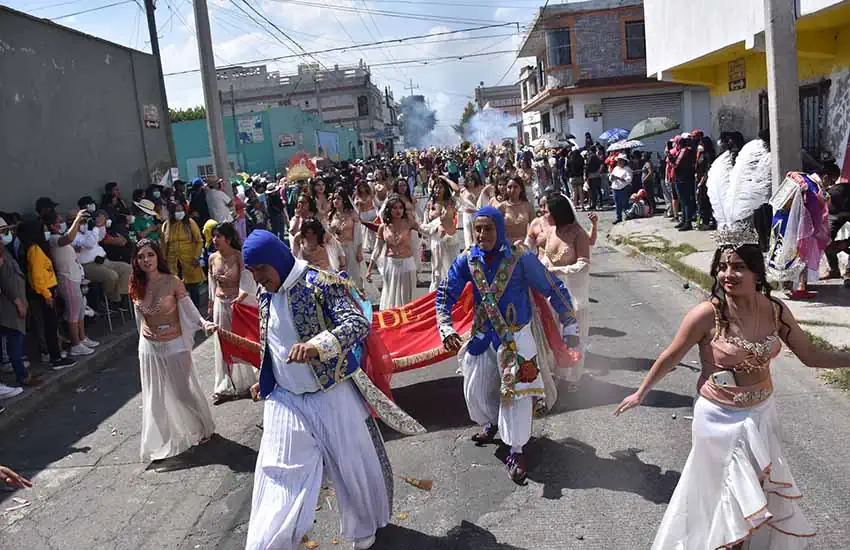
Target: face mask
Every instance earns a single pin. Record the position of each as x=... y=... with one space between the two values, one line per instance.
x=63 y=227
x=7 y=238
x=701 y=149
x=91 y=208
x=156 y=194
x=179 y=216
x=719 y=144
x=131 y=219
x=47 y=235
x=108 y=223
x=83 y=228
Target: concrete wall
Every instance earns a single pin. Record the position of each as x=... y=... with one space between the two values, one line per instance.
x=600 y=51
x=71 y=114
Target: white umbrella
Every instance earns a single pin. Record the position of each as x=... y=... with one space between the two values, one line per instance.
x=625 y=144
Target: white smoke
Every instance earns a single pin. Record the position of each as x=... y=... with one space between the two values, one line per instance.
x=442 y=136
x=490 y=126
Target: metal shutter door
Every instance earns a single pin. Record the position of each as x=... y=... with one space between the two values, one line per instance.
x=625 y=112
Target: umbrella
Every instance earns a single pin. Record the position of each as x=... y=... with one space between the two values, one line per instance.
x=652 y=127
x=625 y=144
x=613 y=135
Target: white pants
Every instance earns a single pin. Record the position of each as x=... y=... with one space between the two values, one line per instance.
x=303 y=435
x=481 y=383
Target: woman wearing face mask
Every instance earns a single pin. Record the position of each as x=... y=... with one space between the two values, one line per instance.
x=154 y=194
x=69 y=273
x=182 y=243
x=145 y=222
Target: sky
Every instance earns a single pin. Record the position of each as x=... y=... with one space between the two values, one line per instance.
x=321 y=24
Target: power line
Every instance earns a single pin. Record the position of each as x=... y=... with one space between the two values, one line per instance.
x=278 y=29
x=41 y=8
x=386 y=13
x=356 y=46
x=91 y=10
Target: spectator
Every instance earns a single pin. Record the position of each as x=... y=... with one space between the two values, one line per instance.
x=116 y=244
x=154 y=194
x=649 y=183
x=593 y=174
x=276 y=210
x=180 y=191
x=198 y=209
x=575 y=171
x=13 y=315
x=115 y=206
x=621 y=181
x=839 y=214
x=146 y=224
x=668 y=180
x=639 y=207
x=182 y=243
x=705 y=157
x=218 y=202
x=685 y=170
x=44 y=206
x=69 y=274
x=113 y=276
x=41 y=289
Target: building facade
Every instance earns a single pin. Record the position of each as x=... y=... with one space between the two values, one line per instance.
x=344 y=96
x=590 y=75
x=731 y=62
x=77 y=112
x=262 y=141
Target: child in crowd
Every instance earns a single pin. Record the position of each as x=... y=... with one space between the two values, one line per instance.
x=639 y=207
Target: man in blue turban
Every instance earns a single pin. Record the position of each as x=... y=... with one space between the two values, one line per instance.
x=501 y=374
x=317 y=417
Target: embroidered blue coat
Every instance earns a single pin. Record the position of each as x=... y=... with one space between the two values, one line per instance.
x=324 y=314
x=528 y=273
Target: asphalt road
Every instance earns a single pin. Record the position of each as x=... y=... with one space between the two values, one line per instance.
x=595 y=482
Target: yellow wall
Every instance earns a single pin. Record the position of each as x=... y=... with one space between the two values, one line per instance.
x=821 y=50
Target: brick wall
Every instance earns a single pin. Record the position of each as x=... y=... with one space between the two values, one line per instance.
x=600 y=48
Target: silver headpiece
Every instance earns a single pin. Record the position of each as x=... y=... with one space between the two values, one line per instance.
x=736 y=191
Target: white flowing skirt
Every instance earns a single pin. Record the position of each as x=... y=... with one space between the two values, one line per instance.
x=235 y=378
x=305 y=436
x=399 y=282
x=352 y=266
x=468 y=235
x=736 y=484
x=369 y=236
x=579 y=286
x=443 y=253
x=175 y=414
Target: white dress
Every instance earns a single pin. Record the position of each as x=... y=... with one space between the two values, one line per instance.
x=398 y=274
x=175 y=414
x=443 y=251
x=577 y=279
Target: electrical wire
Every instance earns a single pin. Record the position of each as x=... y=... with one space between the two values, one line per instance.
x=278 y=29
x=403 y=15
x=67 y=15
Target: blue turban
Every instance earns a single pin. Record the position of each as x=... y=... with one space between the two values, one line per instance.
x=263 y=247
x=502 y=244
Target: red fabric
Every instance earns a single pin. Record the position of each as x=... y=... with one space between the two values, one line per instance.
x=564 y=357
x=377 y=363
x=247 y=325
x=412 y=330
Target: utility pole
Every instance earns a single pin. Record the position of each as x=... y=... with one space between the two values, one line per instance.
x=233 y=119
x=411 y=87
x=166 y=116
x=215 y=124
x=783 y=87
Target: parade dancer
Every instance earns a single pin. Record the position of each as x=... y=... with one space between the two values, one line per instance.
x=175 y=415
x=316 y=417
x=229 y=283
x=502 y=373
x=736 y=487
x=441 y=225
x=394 y=254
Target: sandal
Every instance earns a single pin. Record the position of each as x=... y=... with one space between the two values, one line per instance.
x=487 y=435
x=516 y=467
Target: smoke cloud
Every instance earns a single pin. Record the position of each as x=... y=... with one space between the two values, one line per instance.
x=417 y=120
x=489 y=126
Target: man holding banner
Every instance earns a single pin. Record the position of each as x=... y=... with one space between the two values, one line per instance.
x=507 y=360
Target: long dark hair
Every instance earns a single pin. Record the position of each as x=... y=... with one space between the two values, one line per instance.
x=753 y=257
x=560 y=209
x=138 y=278
x=32 y=233
x=387 y=215
x=402 y=185
x=347 y=206
x=447 y=191
x=226 y=230
x=314 y=225
x=516 y=179
x=311 y=203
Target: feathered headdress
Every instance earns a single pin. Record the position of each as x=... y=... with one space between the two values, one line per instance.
x=737 y=186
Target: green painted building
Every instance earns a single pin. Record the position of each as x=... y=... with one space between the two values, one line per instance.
x=263 y=141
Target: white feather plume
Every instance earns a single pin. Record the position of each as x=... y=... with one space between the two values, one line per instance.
x=718 y=187
x=747 y=184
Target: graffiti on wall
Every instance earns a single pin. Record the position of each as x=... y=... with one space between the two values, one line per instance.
x=837 y=126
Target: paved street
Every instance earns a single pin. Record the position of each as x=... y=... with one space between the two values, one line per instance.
x=595 y=481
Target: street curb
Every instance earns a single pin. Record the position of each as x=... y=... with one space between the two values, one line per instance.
x=692 y=285
x=20 y=407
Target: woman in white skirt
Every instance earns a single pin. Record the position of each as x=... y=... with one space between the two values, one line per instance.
x=345 y=225
x=229 y=283
x=394 y=253
x=364 y=204
x=736 y=487
x=175 y=415
x=441 y=225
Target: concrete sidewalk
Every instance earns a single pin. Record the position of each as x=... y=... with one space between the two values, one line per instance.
x=827 y=316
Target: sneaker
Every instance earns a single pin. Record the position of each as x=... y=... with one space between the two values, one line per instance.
x=90 y=312
x=63 y=363
x=7 y=392
x=364 y=543
x=89 y=343
x=81 y=349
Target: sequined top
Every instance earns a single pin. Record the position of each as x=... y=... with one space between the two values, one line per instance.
x=160 y=316
x=398 y=241
x=343 y=226
x=227 y=272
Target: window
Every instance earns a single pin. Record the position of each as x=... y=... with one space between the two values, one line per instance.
x=526 y=139
x=635 y=40
x=541 y=73
x=205 y=170
x=363 y=105
x=546 y=123
x=559 y=48
x=812 y=103
x=534 y=133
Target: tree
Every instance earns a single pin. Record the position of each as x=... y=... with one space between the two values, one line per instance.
x=192 y=113
x=468 y=113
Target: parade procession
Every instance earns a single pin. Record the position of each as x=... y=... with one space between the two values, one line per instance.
x=584 y=285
